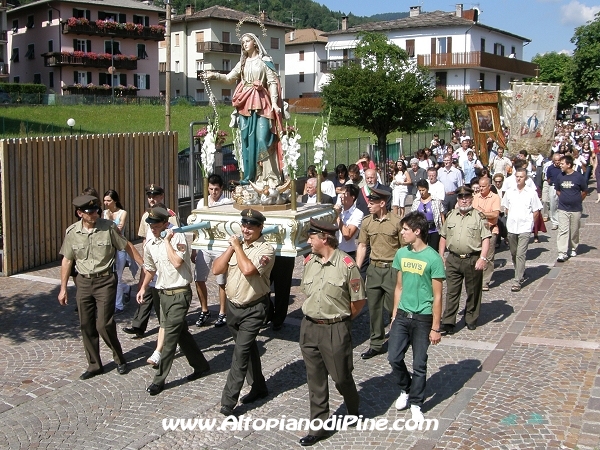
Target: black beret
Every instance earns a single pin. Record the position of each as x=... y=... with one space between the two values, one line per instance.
x=320 y=226
x=379 y=194
x=252 y=217
x=157 y=215
x=464 y=190
x=154 y=189
x=86 y=202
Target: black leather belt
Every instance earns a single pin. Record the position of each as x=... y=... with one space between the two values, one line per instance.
x=326 y=321
x=419 y=317
x=464 y=255
x=177 y=290
x=106 y=273
x=381 y=264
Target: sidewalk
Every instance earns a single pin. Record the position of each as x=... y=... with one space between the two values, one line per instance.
x=528 y=377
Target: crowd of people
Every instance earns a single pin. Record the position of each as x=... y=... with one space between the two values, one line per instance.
x=375 y=253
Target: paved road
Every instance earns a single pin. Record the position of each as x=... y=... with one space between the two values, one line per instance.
x=528 y=377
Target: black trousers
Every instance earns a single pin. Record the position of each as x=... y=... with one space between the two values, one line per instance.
x=327 y=350
x=142 y=313
x=96 y=307
x=281 y=278
x=244 y=324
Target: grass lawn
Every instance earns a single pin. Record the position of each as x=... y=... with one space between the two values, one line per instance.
x=37 y=120
x=51 y=120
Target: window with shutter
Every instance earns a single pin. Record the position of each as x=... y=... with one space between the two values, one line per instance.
x=37 y=78
x=30 y=22
x=30 y=51
x=51 y=79
x=123 y=79
x=15 y=55
x=50 y=46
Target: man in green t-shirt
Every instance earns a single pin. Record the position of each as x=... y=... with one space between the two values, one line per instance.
x=417 y=311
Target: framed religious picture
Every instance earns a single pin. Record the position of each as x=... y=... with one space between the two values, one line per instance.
x=485 y=120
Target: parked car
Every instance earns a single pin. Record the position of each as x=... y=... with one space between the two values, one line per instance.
x=5 y=97
x=225 y=165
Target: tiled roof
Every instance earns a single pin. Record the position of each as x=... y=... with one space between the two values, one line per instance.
x=129 y=4
x=435 y=19
x=305 y=36
x=220 y=12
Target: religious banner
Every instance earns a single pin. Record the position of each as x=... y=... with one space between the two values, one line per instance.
x=532 y=116
x=485 y=121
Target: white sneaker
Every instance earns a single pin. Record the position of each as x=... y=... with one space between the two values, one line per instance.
x=154 y=360
x=402 y=401
x=573 y=254
x=417 y=415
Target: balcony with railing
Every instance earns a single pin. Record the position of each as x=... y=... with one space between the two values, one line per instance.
x=96 y=60
x=4 y=36
x=3 y=70
x=332 y=64
x=113 y=29
x=223 y=47
x=477 y=60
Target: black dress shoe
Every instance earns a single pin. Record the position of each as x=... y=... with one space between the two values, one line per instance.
x=366 y=355
x=309 y=440
x=197 y=374
x=447 y=328
x=155 y=389
x=254 y=395
x=90 y=374
x=227 y=411
x=132 y=330
x=471 y=326
x=122 y=368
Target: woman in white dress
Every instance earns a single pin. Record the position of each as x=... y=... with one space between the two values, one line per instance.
x=399 y=186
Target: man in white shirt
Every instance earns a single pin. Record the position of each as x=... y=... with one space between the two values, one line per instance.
x=522 y=207
x=500 y=164
x=204 y=259
x=349 y=220
x=510 y=182
x=436 y=187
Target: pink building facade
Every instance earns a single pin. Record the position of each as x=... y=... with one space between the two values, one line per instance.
x=76 y=47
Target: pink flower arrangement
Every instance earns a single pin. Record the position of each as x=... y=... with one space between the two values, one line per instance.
x=220 y=137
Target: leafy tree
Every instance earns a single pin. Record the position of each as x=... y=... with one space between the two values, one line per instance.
x=453 y=111
x=384 y=92
x=586 y=58
x=557 y=68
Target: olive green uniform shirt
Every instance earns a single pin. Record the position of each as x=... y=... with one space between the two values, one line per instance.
x=464 y=233
x=382 y=235
x=241 y=289
x=93 y=252
x=331 y=286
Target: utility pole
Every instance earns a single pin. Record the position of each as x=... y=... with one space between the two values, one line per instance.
x=168 y=68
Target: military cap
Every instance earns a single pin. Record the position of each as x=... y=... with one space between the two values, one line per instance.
x=157 y=215
x=86 y=202
x=464 y=190
x=379 y=194
x=252 y=217
x=154 y=189
x=320 y=226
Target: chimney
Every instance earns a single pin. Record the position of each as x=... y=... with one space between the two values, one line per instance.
x=459 y=9
x=415 y=11
x=263 y=16
x=189 y=10
x=344 y=22
x=292 y=37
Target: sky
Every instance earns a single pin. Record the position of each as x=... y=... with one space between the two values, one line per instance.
x=550 y=24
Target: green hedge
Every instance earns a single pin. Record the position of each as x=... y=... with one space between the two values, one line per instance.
x=23 y=88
